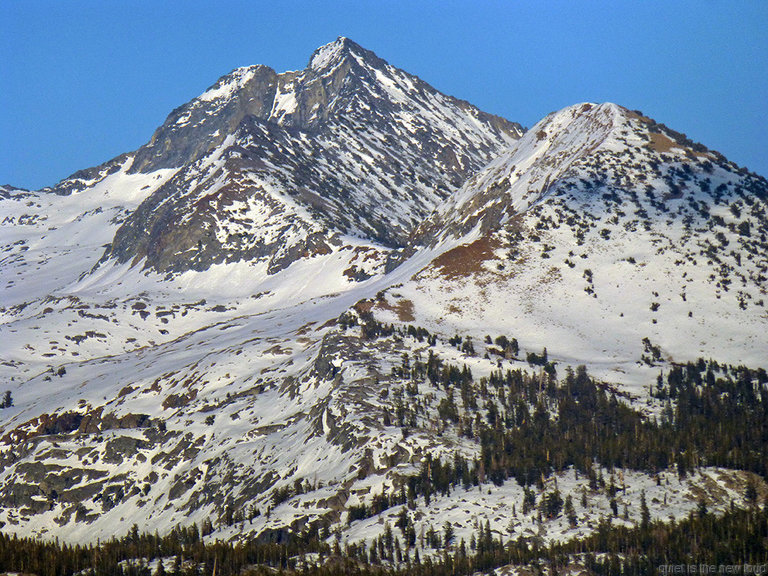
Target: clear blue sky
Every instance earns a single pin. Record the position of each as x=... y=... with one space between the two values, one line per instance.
x=81 y=82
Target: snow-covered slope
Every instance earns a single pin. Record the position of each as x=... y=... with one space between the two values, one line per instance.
x=335 y=164
x=238 y=317
x=598 y=230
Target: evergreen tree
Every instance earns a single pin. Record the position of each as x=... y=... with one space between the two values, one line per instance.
x=570 y=511
x=448 y=534
x=645 y=513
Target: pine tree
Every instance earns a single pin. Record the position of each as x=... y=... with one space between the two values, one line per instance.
x=645 y=513
x=751 y=492
x=552 y=504
x=448 y=534
x=570 y=512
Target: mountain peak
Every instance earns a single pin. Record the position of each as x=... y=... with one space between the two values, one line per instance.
x=326 y=144
x=333 y=53
x=582 y=117
x=576 y=144
x=246 y=331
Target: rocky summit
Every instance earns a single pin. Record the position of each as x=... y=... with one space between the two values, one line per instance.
x=280 y=166
x=338 y=304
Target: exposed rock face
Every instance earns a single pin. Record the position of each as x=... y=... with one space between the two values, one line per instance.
x=275 y=166
x=191 y=130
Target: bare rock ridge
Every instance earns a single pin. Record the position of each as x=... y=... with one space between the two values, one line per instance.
x=350 y=145
x=193 y=129
x=340 y=79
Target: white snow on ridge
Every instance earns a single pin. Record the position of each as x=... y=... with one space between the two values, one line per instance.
x=68 y=233
x=285 y=102
x=226 y=89
x=544 y=154
x=602 y=252
x=326 y=55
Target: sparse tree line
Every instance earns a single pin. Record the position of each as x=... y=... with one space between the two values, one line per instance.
x=532 y=425
x=738 y=537
x=529 y=426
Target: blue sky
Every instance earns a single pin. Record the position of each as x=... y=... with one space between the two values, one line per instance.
x=81 y=82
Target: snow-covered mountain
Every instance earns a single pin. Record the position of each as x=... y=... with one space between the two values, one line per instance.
x=278 y=166
x=597 y=230
x=336 y=164
x=247 y=313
